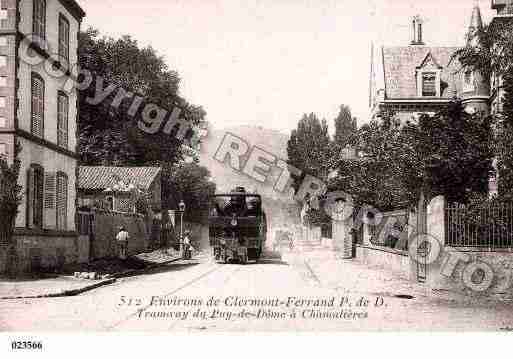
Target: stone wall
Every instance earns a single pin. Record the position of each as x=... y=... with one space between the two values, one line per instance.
x=44 y=251
x=469 y=271
x=105 y=228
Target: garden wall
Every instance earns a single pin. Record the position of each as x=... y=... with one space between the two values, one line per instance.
x=105 y=228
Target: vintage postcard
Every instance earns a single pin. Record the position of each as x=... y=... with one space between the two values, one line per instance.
x=213 y=166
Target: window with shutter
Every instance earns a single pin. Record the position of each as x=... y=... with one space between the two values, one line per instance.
x=63 y=38
x=39 y=19
x=49 y=201
x=429 y=84
x=62 y=120
x=62 y=201
x=38 y=105
x=35 y=189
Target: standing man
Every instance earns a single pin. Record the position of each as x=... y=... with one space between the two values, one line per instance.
x=122 y=239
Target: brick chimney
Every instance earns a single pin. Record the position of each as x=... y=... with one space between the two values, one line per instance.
x=417 y=31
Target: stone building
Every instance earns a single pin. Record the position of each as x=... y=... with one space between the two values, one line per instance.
x=39 y=113
x=418 y=78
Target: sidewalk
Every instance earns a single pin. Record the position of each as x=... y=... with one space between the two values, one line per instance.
x=350 y=276
x=78 y=279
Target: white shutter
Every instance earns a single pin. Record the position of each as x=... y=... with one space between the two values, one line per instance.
x=50 y=208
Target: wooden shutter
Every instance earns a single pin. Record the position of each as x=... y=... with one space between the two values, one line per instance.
x=38 y=106
x=62 y=120
x=64 y=38
x=35 y=187
x=30 y=197
x=62 y=201
x=50 y=210
x=39 y=18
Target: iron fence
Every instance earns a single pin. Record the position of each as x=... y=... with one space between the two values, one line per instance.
x=489 y=226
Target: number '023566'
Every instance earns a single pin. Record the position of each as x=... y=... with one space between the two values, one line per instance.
x=26 y=345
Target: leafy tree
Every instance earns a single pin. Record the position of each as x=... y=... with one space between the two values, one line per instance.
x=375 y=177
x=505 y=140
x=308 y=148
x=10 y=199
x=107 y=134
x=447 y=154
x=489 y=51
x=345 y=127
x=191 y=183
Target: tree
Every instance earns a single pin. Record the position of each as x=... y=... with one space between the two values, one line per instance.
x=10 y=199
x=489 y=52
x=505 y=140
x=375 y=177
x=108 y=134
x=345 y=127
x=308 y=148
x=447 y=154
x=191 y=183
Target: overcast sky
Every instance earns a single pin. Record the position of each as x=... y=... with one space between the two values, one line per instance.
x=267 y=62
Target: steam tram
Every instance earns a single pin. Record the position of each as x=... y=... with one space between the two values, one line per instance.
x=237 y=226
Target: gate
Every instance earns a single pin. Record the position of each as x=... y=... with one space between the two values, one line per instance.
x=84 y=221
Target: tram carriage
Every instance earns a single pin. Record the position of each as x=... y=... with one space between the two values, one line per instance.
x=237 y=226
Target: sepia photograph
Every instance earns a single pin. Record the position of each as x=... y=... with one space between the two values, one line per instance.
x=259 y=166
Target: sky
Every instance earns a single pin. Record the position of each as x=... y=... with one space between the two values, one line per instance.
x=266 y=62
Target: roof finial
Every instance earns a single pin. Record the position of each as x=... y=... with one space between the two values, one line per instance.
x=476 y=22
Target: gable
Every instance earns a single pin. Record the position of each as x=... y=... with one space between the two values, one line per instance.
x=401 y=64
x=429 y=63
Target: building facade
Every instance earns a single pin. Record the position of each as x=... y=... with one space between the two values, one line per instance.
x=418 y=78
x=40 y=113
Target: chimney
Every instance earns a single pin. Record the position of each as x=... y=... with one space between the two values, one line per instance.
x=417 y=31
x=503 y=7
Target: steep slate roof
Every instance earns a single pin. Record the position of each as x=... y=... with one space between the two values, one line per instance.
x=400 y=65
x=100 y=177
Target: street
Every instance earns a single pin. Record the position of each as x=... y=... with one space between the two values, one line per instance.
x=303 y=291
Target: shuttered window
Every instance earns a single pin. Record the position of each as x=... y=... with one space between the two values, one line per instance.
x=35 y=196
x=62 y=200
x=62 y=120
x=49 y=215
x=429 y=84
x=39 y=19
x=63 y=38
x=49 y=191
x=38 y=105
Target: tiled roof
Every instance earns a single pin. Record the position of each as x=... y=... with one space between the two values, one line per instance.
x=101 y=177
x=400 y=65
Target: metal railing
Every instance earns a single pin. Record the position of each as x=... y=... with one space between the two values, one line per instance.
x=490 y=226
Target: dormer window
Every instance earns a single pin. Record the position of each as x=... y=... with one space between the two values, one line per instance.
x=429 y=84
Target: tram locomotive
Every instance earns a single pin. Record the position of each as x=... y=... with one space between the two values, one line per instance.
x=237 y=226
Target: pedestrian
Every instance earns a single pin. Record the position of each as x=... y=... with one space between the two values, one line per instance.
x=122 y=239
x=187 y=247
